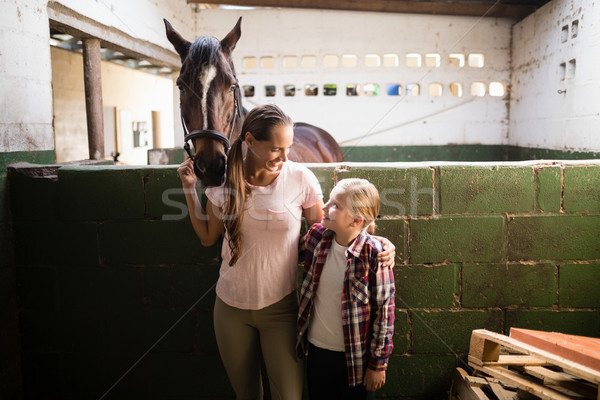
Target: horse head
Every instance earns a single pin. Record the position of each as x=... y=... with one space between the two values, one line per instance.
x=209 y=98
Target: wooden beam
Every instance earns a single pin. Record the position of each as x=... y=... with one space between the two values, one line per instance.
x=467 y=8
x=92 y=59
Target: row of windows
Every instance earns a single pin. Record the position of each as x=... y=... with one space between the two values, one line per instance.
x=496 y=89
x=413 y=60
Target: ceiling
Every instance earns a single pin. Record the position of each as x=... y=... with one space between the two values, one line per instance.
x=516 y=9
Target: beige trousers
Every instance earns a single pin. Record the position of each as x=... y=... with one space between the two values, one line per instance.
x=243 y=334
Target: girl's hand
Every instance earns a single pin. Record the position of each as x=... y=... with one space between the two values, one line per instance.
x=186 y=173
x=388 y=255
x=374 y=380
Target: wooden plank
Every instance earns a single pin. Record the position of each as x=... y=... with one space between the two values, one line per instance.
x=482 y=348
x=483 y=336
x=554 y=378
x=462 y=387
x=523 y=383
x=502 y=393
x=580 y=349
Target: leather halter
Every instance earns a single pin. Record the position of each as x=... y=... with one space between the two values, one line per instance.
x=209 y=133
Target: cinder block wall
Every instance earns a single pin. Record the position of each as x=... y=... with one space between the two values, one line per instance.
x=116 y=292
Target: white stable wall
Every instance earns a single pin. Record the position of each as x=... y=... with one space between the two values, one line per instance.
x=401 y=120
x=26 y=105
x=555 y=99
x=25 y=77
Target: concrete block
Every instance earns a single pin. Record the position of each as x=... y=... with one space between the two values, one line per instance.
x=570 y=322
x=549 y=188
x=396 y=231
x=82 y=331
x=101 y=192
x=33 y=199
x=164 y=195
x=82 y=287
x=50 y=242
x=43 y=373
x=450 y=331
x=40 y=331
x=154 y=242
x=502 y=285
x=579 y=285
x=426 y=376
x=554 y=237
x=402 y=191
x=582 y=188
x=194 y=284
x=483 y=189
x=457 y=239
x=401 y=336
x=420 y=286
x=36 y=288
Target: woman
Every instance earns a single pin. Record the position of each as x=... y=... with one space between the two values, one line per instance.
x=259 y=211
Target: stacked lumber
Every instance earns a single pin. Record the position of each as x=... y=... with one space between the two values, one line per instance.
x=545 y=365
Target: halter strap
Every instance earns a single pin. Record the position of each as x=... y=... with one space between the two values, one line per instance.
x=209 y=133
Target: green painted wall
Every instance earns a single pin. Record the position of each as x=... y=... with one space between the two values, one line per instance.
x=107 y=264
x=10 y=363
x=422 y=153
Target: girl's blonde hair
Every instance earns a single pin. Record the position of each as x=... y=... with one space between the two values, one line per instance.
x=362 y=199
x=260 y=122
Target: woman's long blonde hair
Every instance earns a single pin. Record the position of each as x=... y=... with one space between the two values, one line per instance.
x=260 y=122
x=362 y=199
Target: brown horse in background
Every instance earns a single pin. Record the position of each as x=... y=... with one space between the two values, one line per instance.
x=211 y=108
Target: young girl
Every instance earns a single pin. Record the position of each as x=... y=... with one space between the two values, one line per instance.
x=347 y=298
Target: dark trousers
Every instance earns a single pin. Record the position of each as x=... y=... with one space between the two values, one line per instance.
x=328 y=377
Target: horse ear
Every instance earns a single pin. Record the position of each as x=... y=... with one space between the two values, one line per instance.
x=228 y=43
x=181 y=45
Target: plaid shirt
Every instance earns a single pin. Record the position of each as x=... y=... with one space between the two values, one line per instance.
x=367 y=301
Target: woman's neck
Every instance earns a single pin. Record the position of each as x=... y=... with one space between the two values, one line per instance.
x=258 y=176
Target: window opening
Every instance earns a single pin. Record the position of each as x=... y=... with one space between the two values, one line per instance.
x=352 y=89
x=435 y=89
x=372 y=60
x=574 y=28
x=413 y=89
x=250 y=62
x=267 y=62
x=349 y=61
x=390 y=60
x=248 y=90
x=308 y=62
x=478 y=89
x=456 y=60
x=497 y=89
x=371 y=89
x=456 y=89
x=290 y=62
x=331 y=61
x=270 y=90
x=476 y=60
x=394 y=89
x=564 y=34
x=289 y=90
x=329 y=90
x=413 y=60
x=562 y=71
x=311 y=89
x=572 y=67
x=433 y=60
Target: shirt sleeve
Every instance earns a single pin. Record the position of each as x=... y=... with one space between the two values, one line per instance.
x=383 y=325
x=216 y=195
x=311 y=188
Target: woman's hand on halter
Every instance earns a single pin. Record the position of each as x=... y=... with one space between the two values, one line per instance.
x=186 y=173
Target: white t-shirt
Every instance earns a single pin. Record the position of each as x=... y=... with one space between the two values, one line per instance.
x=267 y=268
x=326 y=329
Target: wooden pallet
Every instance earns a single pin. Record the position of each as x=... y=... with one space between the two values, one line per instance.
x=529 y=368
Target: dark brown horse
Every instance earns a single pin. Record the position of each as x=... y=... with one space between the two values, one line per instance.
x=211 y=107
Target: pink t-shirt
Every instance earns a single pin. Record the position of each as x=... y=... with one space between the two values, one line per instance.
x=267 y=268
